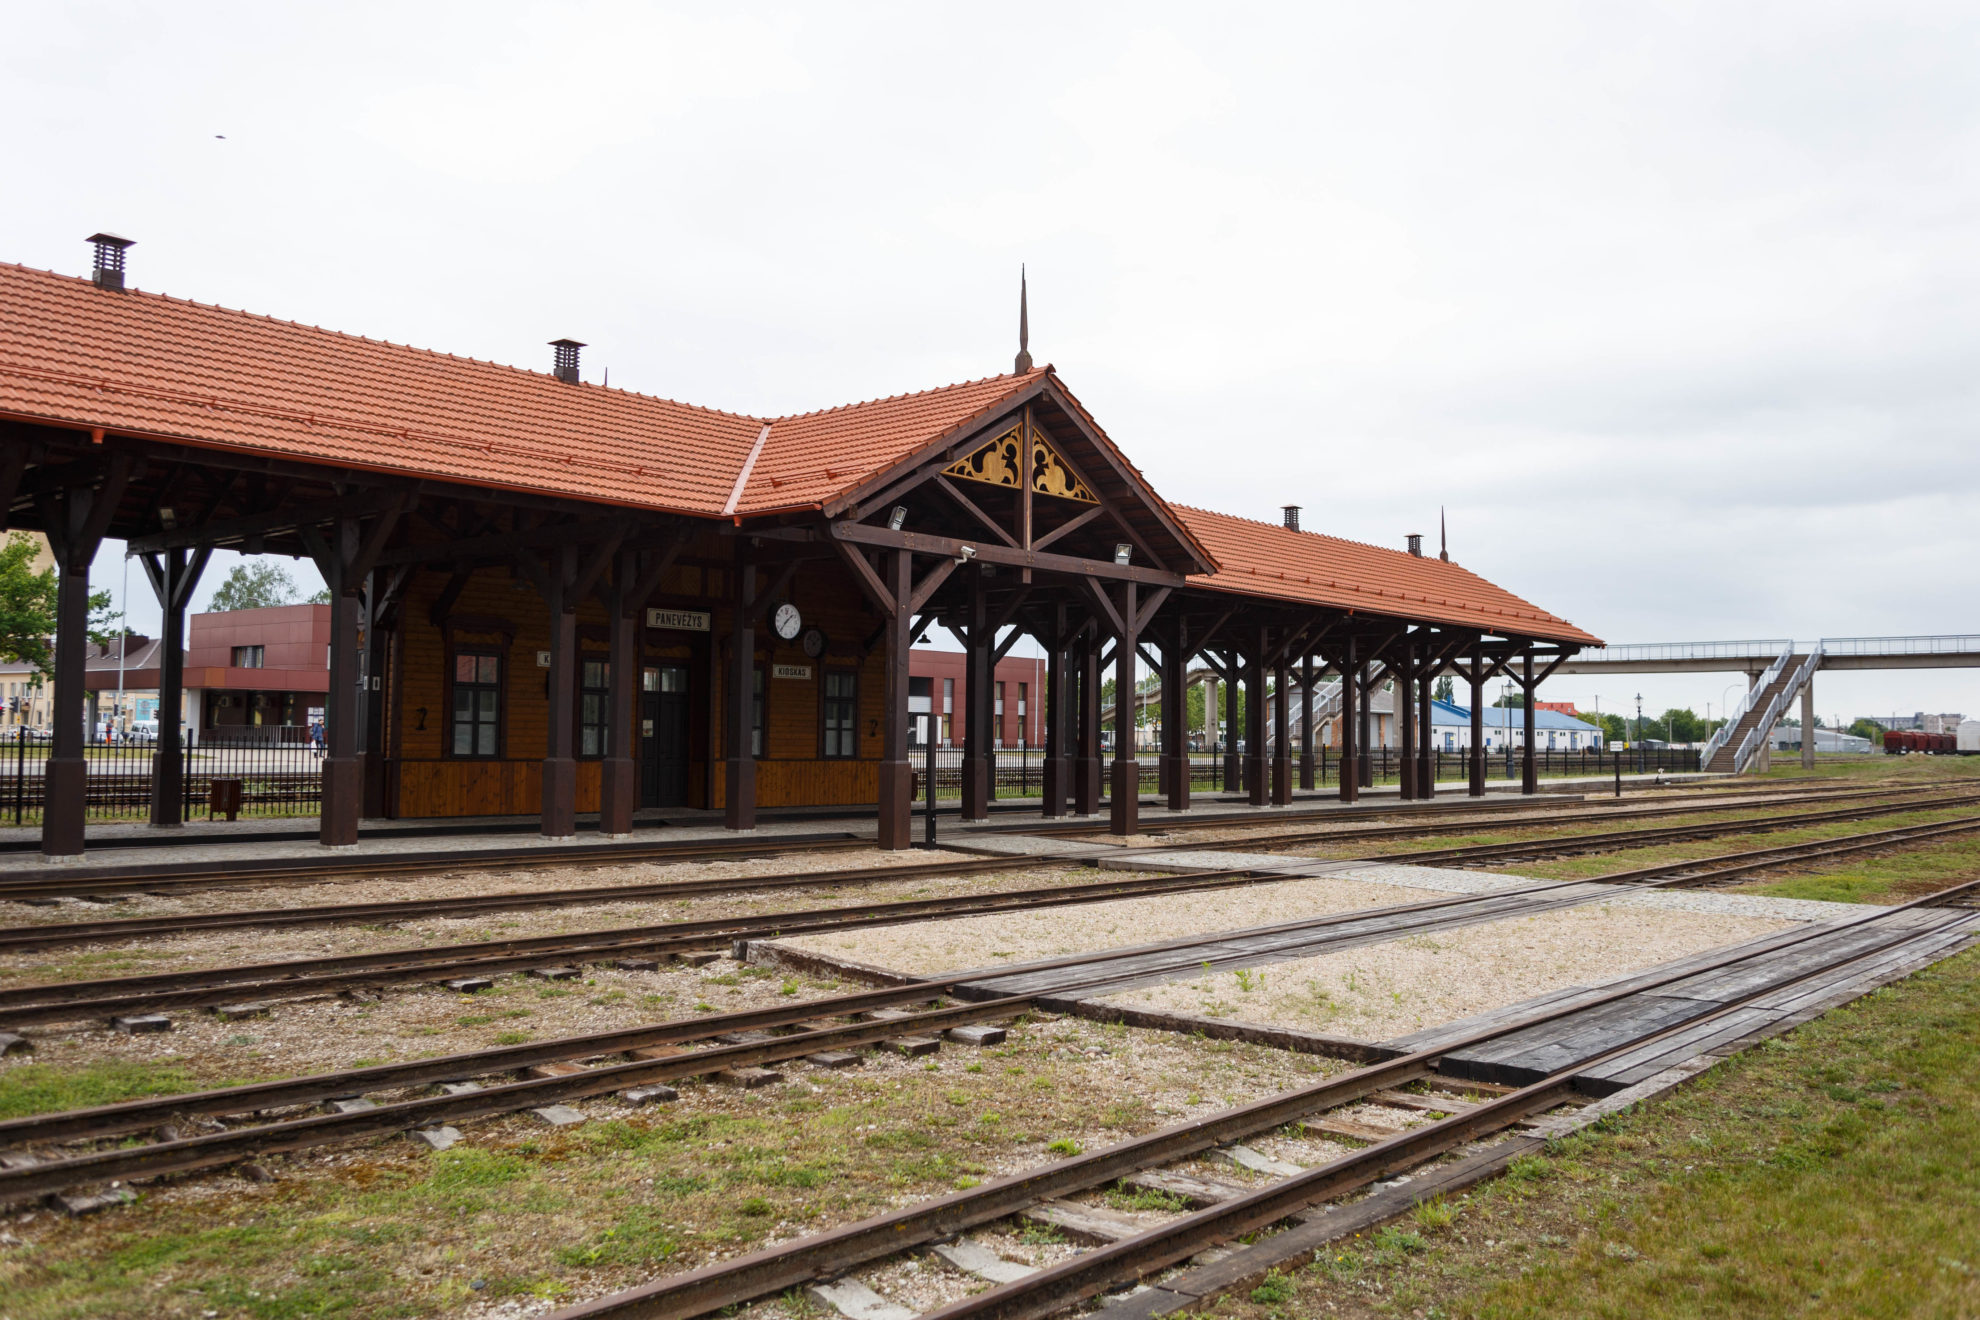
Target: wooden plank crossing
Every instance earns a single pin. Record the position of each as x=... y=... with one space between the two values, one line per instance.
x=1527 y=1056
x=1155 y=964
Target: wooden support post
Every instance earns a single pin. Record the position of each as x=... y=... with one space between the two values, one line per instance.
x=371 y=696
x=1529 y=769
x=173 y=574
x=1257 y=769
x=1175 y=718
x=979 y=737
x=1086 y=773
x=1404 y=707
x=343 y=773
x=1282 y=733
x=1307 y=734
x=1476 y=757
x=1364 y=741
x=75 y=521
x=739 y=767
x=559 y=810
x=1124 y=812
x=1233 y=731
x=1426 y=750
x=618 y=776
x=1349 y=725
x=896 y=823
x=1057 y=777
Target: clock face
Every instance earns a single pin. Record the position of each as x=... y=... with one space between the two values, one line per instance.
x=813 y=643
x=787 y=621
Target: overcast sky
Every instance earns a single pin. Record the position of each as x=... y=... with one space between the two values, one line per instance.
x=1674 y=310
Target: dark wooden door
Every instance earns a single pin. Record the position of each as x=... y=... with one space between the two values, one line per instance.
x=663 y=743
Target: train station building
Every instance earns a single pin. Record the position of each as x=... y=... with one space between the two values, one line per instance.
x=554 y=598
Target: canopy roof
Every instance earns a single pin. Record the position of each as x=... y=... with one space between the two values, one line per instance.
x=154 y=366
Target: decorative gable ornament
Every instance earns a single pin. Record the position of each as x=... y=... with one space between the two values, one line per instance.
x=997 y=464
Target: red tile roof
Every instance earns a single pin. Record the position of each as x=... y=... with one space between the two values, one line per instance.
x=161 y=366
x=812 y=457
x=1266 y=559
x=148 y=364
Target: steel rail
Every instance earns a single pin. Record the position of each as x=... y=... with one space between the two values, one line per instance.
x=52 y=935
x=296 y=978
x=1621 y=840
x=70 y=881
x=81 y=932
x=1596 y=813
x=1455 y=805
x=773 y=1269
x=66 y=1001
x=134 y=1115
x=1090 y=1273
x=205 y=1151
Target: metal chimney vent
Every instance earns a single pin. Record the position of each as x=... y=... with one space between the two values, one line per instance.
x=1416 y=544
x=566 y=368
x=108 y=272
x=1292 y=516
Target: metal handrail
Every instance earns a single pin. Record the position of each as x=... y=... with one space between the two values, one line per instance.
x=1941 y=644
x=1724 y=733
x=1749 y=649
x=1758 y=735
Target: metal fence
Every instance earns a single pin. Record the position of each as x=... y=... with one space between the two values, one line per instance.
x=1021 y=771
x=277 y=777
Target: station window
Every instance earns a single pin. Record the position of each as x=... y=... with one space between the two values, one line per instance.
x=477 y=703
x=840 y=714
x=594 y=677
x=247 y=657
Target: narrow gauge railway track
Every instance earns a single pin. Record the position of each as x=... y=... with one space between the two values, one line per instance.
x=22 y=1178
x=1248 y=1211
x=56 y=935
x=173 y=877
x=36 y=1005
x=136 y=1115
x=1592 y=814
x=1715 y=798
x=1602 y=841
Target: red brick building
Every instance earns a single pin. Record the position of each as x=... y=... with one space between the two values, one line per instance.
x=258 y=669
x=938 y=683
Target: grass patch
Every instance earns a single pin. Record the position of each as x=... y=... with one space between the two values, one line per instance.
x=39 y=1088
x=1834 y=1171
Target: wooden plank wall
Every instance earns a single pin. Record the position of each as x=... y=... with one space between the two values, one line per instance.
x=432 y=782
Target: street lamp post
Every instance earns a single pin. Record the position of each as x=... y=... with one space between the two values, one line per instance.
x=1639 y=733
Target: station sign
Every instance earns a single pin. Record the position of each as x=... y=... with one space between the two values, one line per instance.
x=680 y=620
x=790 y=671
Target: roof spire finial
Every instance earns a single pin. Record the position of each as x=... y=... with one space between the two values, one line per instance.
x=1023 y=363
x=1443 y=537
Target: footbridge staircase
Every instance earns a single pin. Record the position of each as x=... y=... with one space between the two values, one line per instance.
x=1744 y=734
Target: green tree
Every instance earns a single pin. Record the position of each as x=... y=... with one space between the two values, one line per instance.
x=1446 y=689
x=27 y=604
x=27 y=607
x=254 y=584
x=1868 y=728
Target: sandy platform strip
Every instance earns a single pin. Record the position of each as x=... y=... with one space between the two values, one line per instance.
x=1385 y=990
x=944 y=946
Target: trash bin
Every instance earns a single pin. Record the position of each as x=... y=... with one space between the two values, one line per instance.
x=223 y=795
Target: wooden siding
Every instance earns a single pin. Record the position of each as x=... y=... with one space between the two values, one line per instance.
x=431 y=781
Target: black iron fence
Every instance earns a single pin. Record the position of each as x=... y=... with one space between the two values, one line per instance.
x=268 y=774
x=1021 y=770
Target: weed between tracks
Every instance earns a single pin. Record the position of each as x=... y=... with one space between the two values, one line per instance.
x=522 y=1212
x=1834 y=1171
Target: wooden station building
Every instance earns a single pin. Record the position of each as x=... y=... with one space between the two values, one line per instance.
x=557 y=598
